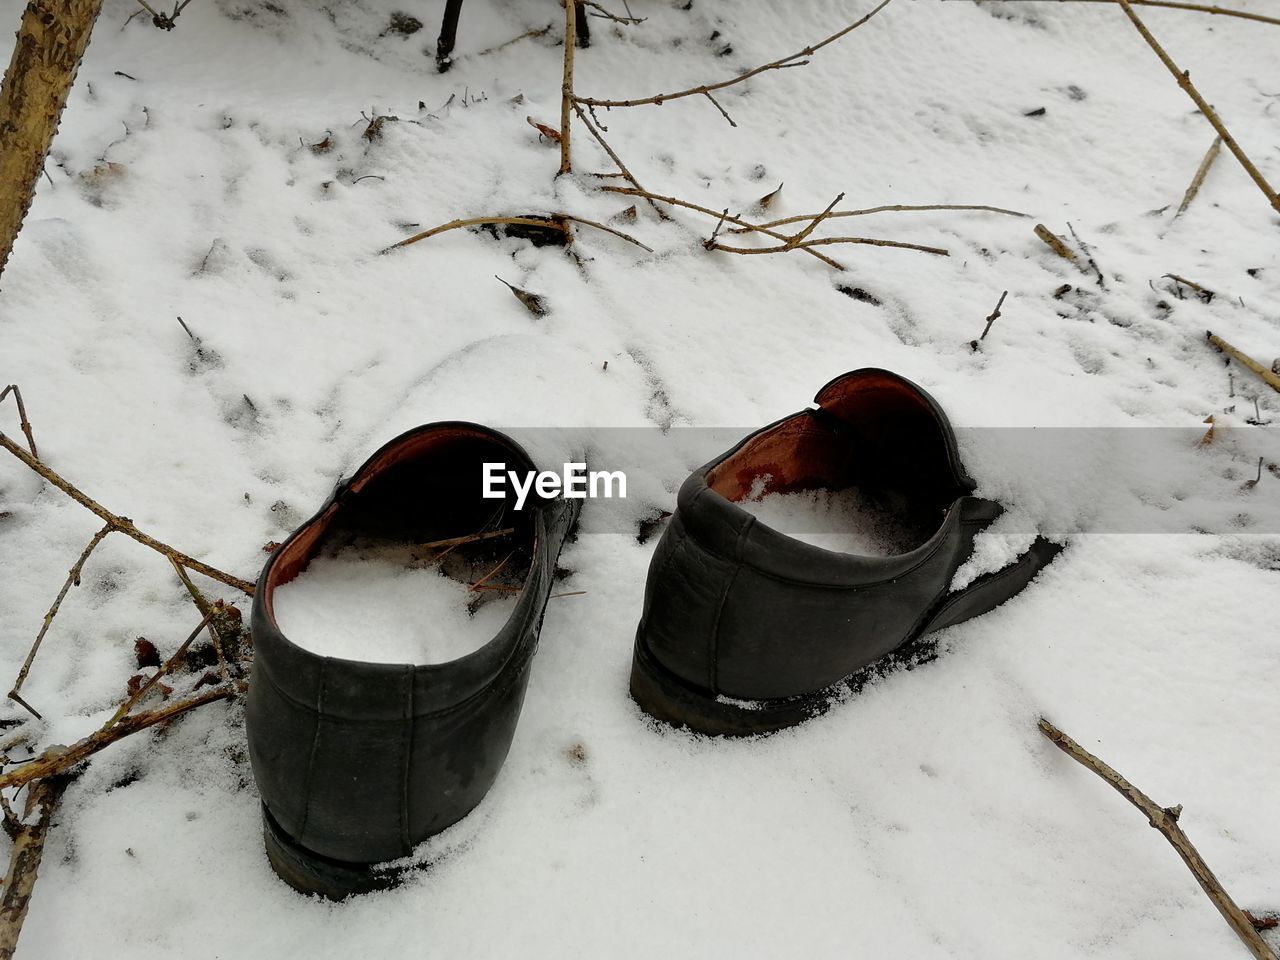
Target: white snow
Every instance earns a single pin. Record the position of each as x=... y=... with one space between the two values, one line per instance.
x=362 y=609
x=925 y=817
x=844 y=521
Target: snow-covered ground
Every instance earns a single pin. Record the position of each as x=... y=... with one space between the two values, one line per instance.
x=926 y=817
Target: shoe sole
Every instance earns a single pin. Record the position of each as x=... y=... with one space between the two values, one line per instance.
x=666 y=697
x=309 y=872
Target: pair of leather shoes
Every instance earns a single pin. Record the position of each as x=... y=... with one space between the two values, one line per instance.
x=745 y=630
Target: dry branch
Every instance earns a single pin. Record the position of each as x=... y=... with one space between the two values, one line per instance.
x=51 y=40
x=829 y=241
x=24 y=862
x=57 y=759
x=1054 y=242
x=124 y=524
x=622 y=167
x=1165 y=819
x=1268 y=376
x=22 y=415
x=1202 y=171
x=564 y=218
x=1184 y=81
x=73 y=580
x=566 y=87
x=675 y=202
x=469 y=538
x=705 y=90
x=1178 y=5
x=891 y=208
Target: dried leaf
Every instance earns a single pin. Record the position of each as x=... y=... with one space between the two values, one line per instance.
x=1209 y=437
x=629 y=215
x=324 y=146
x=146 y=653
x=1266 y=921
x=374 y=130
x=270 y=546
x=767 y=200
x=534 y=303
x=551 y=133
x=517 y=99
x=103 y=173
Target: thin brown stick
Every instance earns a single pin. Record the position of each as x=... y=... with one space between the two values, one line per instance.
x=829 y=241
x=566 y=87
x=895 y=208
x=1178 y=5
x=622 y=167
x=57 y=759
x=1054 y=242
x=164 y=670
x=796 y=239
x=705 y=90
x=1165 y=819
x=524 y=221
x=208 y=611
x=24 y=862
x=1184 y=81
x=675 y=202
x=534 y=33
x=22 y=414
x=479 y=584
x=1268 y=376
x=604 y=14
x=124 y=524
x=469 y=538
x=995 y=315
x=1202 y=171
x=73 y=580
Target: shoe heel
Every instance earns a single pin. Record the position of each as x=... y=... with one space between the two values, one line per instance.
x=311 y=873
x=669 y=699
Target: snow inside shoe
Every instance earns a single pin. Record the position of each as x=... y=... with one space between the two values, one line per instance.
x=359 y=757
x=747 y=630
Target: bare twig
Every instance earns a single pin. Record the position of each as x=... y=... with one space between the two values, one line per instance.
x=1054 y=242
x=995 y=315
x=469 y=538
x=164 y=670
x=1088 y=255
x=1184 y=81
x=796 y=240
x=630 y=177
x=675 y=202
x=57 y=759
x=705 y=90
x=566 y=87
x=604 y=14
x=24 y=862
x=829 y=241
x=526 y=221
x=1202 y=171
x=124 y=524
x=1165 y=819
x=1269 y=377
x=535 y=33
x=73 y=580
x=208 y=611
x=710 y=242
x=892 y=208
x=22 y=414
x=1179 y=5
x=1204 y=293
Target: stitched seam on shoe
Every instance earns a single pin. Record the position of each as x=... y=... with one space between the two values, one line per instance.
x=315 y=748
x=406 y=746
x=714 y=645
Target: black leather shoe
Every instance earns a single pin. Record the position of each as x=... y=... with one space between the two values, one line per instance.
x=746 y=630
x=358 y=762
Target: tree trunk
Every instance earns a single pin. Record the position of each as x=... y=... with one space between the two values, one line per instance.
x=51 y=41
